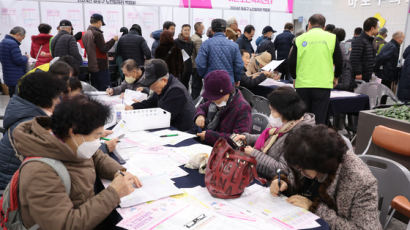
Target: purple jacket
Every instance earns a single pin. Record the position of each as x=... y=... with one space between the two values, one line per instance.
x=236 y=118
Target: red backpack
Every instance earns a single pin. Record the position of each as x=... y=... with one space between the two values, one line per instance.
x=229 y=171
x=10 y=216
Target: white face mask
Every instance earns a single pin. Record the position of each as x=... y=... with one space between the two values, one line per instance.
x=222 y=104
x=87 y=149
x=275 y=122
x=130 y=80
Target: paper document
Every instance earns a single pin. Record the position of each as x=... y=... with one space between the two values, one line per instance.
x=172 y=137
x=271 y=66
x=185 y=56
x=183 y=154
x=131 y=95
x=153 y=188
x=96 y=93
x=337 y=93
x=271 y=82
x=119 y=130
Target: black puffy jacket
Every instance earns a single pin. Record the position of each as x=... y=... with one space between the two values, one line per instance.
x=133 y=46
x=65 y=44
x=266 y=45
x=363 y=56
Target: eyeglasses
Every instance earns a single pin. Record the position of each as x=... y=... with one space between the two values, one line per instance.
x=194 y=221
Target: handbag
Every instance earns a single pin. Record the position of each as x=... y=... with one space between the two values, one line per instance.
x=229 y=171
x=33 y=64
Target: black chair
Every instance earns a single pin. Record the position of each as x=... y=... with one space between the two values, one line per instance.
x=261 y=105
x=247 y=94
x=259 y=123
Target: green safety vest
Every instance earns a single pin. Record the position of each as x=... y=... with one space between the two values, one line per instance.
x=314 y=66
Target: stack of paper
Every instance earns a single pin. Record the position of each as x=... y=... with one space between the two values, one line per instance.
x=337 y=93
x=131 y=95
x=270 y=82
x=153 y=188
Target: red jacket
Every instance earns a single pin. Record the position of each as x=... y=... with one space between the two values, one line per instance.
x=36 y=42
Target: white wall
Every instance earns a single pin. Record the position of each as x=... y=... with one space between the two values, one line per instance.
x=348 y=17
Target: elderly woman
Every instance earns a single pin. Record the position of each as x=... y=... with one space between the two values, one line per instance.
x=71 y=136
x=329 y=180
x=256 y=64
x=226 y=111
x=287 y=113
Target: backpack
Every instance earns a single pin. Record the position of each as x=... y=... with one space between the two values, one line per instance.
x=10 y=216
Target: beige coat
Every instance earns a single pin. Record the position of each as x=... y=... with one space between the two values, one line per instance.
x=43 y=198
x=253 y=70
x=197 y=40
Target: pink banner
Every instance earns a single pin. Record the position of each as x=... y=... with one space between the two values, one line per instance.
x=246 y=4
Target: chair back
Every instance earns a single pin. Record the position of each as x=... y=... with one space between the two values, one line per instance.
x=261 y=105
x=393 y=179
x=259 y=123
x=87 y=87
x=247 y=94
x=375 y=91
x=393 y=140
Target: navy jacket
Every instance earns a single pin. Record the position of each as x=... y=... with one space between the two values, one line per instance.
x=17 y=111
x=266 y=45
x=388 y=59
x=245 y=44
x=219 y=53
x=403 y=92
x=13 y=62
x=175 y=99
x=133 y=46
x=282 y=44
x=155 y=35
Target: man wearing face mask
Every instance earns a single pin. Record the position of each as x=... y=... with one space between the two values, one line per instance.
x=169 y=94
x=132 y=73
x=71 y=136
x=226 y=111
x=287 y=113
x=37 y=96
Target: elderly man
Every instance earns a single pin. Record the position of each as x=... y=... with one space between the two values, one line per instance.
x=64 y=42
x=386 y=61
x=233 y=28
x=218 y=53
x=13 y=62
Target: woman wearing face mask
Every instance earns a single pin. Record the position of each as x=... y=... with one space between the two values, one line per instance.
x=71 y=136
x=329 y=180
x=132 y=75
x=287 y=113
x=226 y=111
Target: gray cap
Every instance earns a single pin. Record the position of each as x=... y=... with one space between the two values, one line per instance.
x=383 y=31
x=154 y=70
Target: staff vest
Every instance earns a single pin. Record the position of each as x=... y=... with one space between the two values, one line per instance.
x=314 y=67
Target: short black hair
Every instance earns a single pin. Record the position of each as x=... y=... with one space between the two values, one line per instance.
x=78 y=36
x=74 y=83
x=369 y=23
x=167 y=25
x=44 y=28
x=81 y=113
x=358 y=30
x=218 y=25
x=330 y=28
x=186 y=25
x=317 y=20
x=40 y=88
x=70 y=60
x=287 y=103
x=249 y=28
x=136 y=28
x=242 y=51
x=61 y=70
x=316 y=148
x=197 y=25
x=124 y=30
x=288 y=26
x=340 y=34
